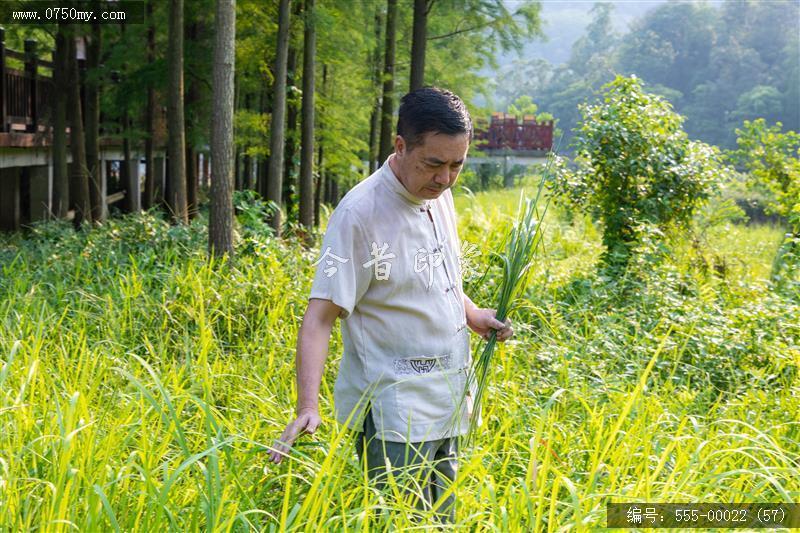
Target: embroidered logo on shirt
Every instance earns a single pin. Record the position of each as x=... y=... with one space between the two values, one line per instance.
x=422 y=365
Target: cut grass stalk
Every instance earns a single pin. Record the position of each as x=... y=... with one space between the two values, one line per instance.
x=521 y=246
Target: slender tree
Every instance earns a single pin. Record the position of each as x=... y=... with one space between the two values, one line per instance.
x=192 y=180
x=320 y=181
x=387 y=108
x=418 y=41
x=237 y=154
x=307 y=139
x=190 y=116
x=150 y=116
x=248 y=182
x=129 y=172
x=265 y=106
x=176 y=145
x=79 y=175
x=220 y=234
x=93 y=124
x=60 y=171
x=277 y=132
x=292 y=111
x=292 y=136
x=375 y=117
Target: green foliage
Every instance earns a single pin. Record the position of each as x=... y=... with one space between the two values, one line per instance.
x=636 y=166
x=598 y=41
x=141 y=386
x=524 y=106
x=718 y=64
x=771 y=159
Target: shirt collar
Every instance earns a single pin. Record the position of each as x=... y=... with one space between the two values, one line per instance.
x=395 y=185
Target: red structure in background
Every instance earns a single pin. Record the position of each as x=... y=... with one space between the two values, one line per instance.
x=505 y=133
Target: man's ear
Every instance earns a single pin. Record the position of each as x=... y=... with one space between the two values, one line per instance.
x=399 y=145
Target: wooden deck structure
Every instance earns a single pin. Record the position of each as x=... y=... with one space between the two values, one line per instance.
x=505 y=135
x=26 y=170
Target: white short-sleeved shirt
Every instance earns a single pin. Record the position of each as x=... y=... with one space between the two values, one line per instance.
x=390 y=260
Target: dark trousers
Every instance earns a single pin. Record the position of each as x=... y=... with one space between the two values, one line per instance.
x=425 y=469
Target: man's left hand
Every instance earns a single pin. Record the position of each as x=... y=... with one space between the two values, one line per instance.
x=483 y=321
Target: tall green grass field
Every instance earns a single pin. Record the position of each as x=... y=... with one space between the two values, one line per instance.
x=141 y=385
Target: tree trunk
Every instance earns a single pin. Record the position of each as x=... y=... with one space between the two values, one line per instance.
x=374 y=127
x=276 y=134
x=307 y=140
x=192 y=181
x=128 y=172
x=93 y=125
x=220 y=231
x=176 y=146
x=334 y=191
x=375 y=116
x=320 y=181
x=79 y=176
x=265 y=105
x=290 y=144
x=60 y=79
x=387 y=110
x=150 y=122
x=237 y=155
x=237 y=167
x=249 y=182
x=190 y=111
x=418 y=42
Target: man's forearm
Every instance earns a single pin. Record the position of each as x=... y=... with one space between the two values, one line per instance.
x=312 y=350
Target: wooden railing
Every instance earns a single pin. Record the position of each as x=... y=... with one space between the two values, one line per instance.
x=24 y=94
x=505 y=132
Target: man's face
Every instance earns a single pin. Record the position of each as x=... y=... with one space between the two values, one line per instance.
x=432 y=166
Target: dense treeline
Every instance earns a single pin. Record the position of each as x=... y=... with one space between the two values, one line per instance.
x=315 y=89
x=717 y=65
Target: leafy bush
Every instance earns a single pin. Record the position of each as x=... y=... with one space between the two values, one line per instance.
x=770 y=157
x=636 y=167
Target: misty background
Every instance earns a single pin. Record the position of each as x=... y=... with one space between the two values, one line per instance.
x=718 y=63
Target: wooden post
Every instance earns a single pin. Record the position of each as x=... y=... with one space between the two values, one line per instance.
x=31 y=67
x=3 y=88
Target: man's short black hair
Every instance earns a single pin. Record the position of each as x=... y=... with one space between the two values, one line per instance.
x=431 y=110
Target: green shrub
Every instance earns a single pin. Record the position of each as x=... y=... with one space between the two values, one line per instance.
x=636 y=168
x=770 y=157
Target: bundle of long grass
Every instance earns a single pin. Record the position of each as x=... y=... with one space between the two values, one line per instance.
x=521 y=245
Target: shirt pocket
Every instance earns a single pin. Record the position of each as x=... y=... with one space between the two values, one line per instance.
x=429 y=389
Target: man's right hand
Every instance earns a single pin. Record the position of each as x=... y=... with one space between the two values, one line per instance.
x=312 y=349
x=307 y=421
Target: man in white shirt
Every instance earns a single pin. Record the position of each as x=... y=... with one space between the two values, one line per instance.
x=390 y=270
